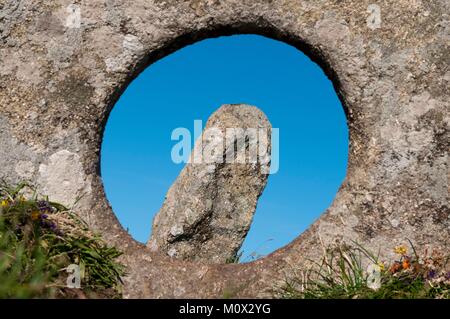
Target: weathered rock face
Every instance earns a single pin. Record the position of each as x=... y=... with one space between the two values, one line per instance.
x=64 y=63
x=208 y=210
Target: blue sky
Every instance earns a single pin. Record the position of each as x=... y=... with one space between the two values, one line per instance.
x=191 y=84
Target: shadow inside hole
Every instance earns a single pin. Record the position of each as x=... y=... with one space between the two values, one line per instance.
x=191 y=84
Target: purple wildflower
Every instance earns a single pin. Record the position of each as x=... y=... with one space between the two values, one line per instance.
x=431 y=274
x=44 y=206
x=48 y=224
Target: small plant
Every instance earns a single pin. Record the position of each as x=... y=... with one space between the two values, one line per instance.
x=255 y=255
x=39 y=239
x=236 y=259
x=354 y=272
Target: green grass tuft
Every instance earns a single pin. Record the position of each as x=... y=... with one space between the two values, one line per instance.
x=39 y=239
x=353 y=272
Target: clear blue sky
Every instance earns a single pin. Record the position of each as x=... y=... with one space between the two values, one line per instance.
x=191 y=84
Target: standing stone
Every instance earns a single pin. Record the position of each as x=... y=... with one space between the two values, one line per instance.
x=208 y=210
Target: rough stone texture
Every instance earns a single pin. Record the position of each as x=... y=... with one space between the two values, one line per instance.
x=208 y=210
x=58 y=83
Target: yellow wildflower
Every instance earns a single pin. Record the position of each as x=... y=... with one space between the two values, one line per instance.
x=5 y=203
x=381 y=265
x=35 y=215
x=401 y=250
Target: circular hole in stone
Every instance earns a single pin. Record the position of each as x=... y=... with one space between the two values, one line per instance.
x=191 y=84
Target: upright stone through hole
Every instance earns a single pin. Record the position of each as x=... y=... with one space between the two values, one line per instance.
x=209 y=209
x=293 y=92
